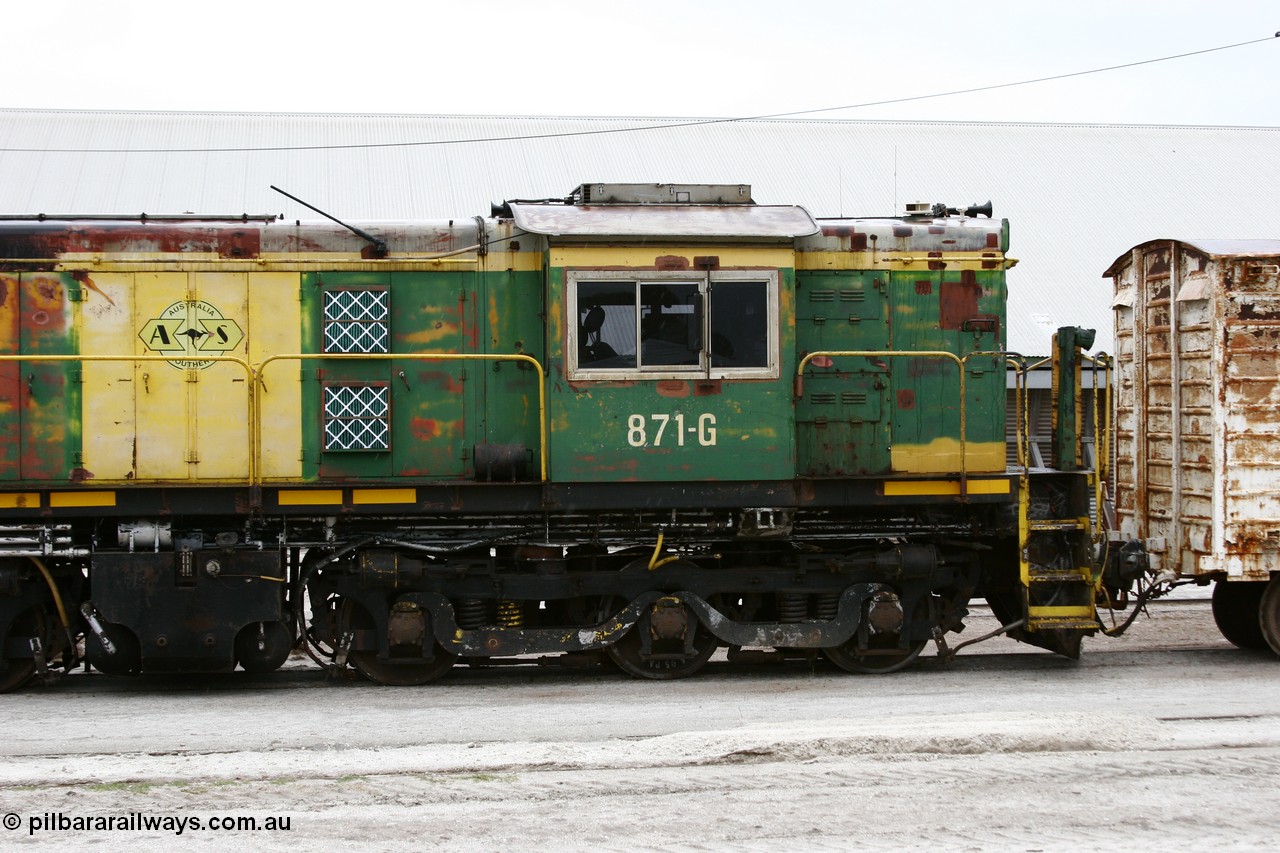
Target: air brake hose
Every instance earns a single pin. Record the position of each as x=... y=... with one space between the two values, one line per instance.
x=57 y=602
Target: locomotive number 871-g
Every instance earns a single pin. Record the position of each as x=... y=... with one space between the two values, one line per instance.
x=635 y=424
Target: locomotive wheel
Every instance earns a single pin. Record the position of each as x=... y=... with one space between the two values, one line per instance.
x=392 y=672
x=666 y=658
x=18 y=671
x=1236 y=610
x=882 y=654
x=1269 y=615
x=263 y=646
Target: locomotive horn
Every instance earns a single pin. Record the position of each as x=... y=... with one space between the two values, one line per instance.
x=976 y=209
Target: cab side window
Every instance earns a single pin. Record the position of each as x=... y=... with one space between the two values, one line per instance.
x=665 y=325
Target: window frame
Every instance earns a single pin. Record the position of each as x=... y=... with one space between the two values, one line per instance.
x=706 y=281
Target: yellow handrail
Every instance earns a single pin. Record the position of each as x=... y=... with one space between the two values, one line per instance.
x=233 y=359
x=959 y=362
x=421 y=356
x=255 y=373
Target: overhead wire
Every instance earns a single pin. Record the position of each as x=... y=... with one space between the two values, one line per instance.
x=669 y=125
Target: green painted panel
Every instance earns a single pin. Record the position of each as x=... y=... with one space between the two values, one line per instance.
x=841 y=423
x=511 y=322
x=691 y=428
x=654 y=430
x=959 y=313
x=49 y=392
x=420 y=403
x=10 y=385
x=320 y=373
x=433 y=401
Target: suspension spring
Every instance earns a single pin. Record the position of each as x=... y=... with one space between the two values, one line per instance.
x=827 y=606
x=792 y=606
x=471 y=613
x=509 y=614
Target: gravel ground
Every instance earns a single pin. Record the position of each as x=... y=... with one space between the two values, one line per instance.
x=1168 y=736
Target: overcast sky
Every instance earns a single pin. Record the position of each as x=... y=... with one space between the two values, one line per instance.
x=722 y=58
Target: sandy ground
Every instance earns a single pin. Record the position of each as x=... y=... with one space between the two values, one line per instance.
x=1169 y=736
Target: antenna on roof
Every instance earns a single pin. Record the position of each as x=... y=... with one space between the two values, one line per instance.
x=379 y=246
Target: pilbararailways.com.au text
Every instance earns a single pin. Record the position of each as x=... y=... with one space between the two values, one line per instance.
x=140 y=822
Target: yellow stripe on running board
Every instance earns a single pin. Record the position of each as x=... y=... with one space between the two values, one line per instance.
x=906 y=488
x=71 y=499
x=310 y=497
x=384 y=496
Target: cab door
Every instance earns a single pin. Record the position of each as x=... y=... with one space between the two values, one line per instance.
x=842 y=421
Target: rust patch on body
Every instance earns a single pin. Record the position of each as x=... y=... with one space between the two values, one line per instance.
x=1253 y=311
x=671 y=262
x=958 y=303
x=709 y=388
x=425 y=429
x=82 y=276
x=673 y=388
x=52 y=240
x=906 y=399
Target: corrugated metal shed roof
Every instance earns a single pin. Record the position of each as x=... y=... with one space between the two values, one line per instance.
x=1077 y=195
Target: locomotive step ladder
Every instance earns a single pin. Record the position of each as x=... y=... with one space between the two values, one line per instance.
x=1059 y=507
x=1056 y=569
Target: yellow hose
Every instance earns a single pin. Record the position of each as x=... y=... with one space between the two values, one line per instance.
x=53 y=588
x=657 y=549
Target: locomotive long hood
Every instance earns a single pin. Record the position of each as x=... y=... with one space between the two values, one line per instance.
x=720 y=221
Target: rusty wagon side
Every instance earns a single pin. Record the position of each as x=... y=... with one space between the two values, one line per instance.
x=1198 y=421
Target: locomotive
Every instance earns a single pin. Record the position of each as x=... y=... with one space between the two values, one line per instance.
x=633 y=425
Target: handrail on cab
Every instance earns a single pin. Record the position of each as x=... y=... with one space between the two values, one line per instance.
x=254 y=373
x=417 y=356
x=960 y=363
x=250 y=373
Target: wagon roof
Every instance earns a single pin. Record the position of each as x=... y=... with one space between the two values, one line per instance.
x=1214 y=247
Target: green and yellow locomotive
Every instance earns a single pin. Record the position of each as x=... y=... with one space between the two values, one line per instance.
x=637 y=424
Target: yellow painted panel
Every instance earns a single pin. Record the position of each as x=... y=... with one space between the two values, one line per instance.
x=316 y=497
x=518 y=261
x=20 y=500
x=1056 y=612
x=274 y=327
x=160 y=389
x=646 y=256
x=384 y=496
x=898 y=261
x=221 y=432
x=901 y=488
x=107 y=328
x=71 y=499
x=942 y=455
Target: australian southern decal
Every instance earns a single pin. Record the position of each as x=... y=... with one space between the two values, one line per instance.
x=190 y=330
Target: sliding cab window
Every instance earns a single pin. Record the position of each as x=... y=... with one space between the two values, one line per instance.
x=664 y=326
